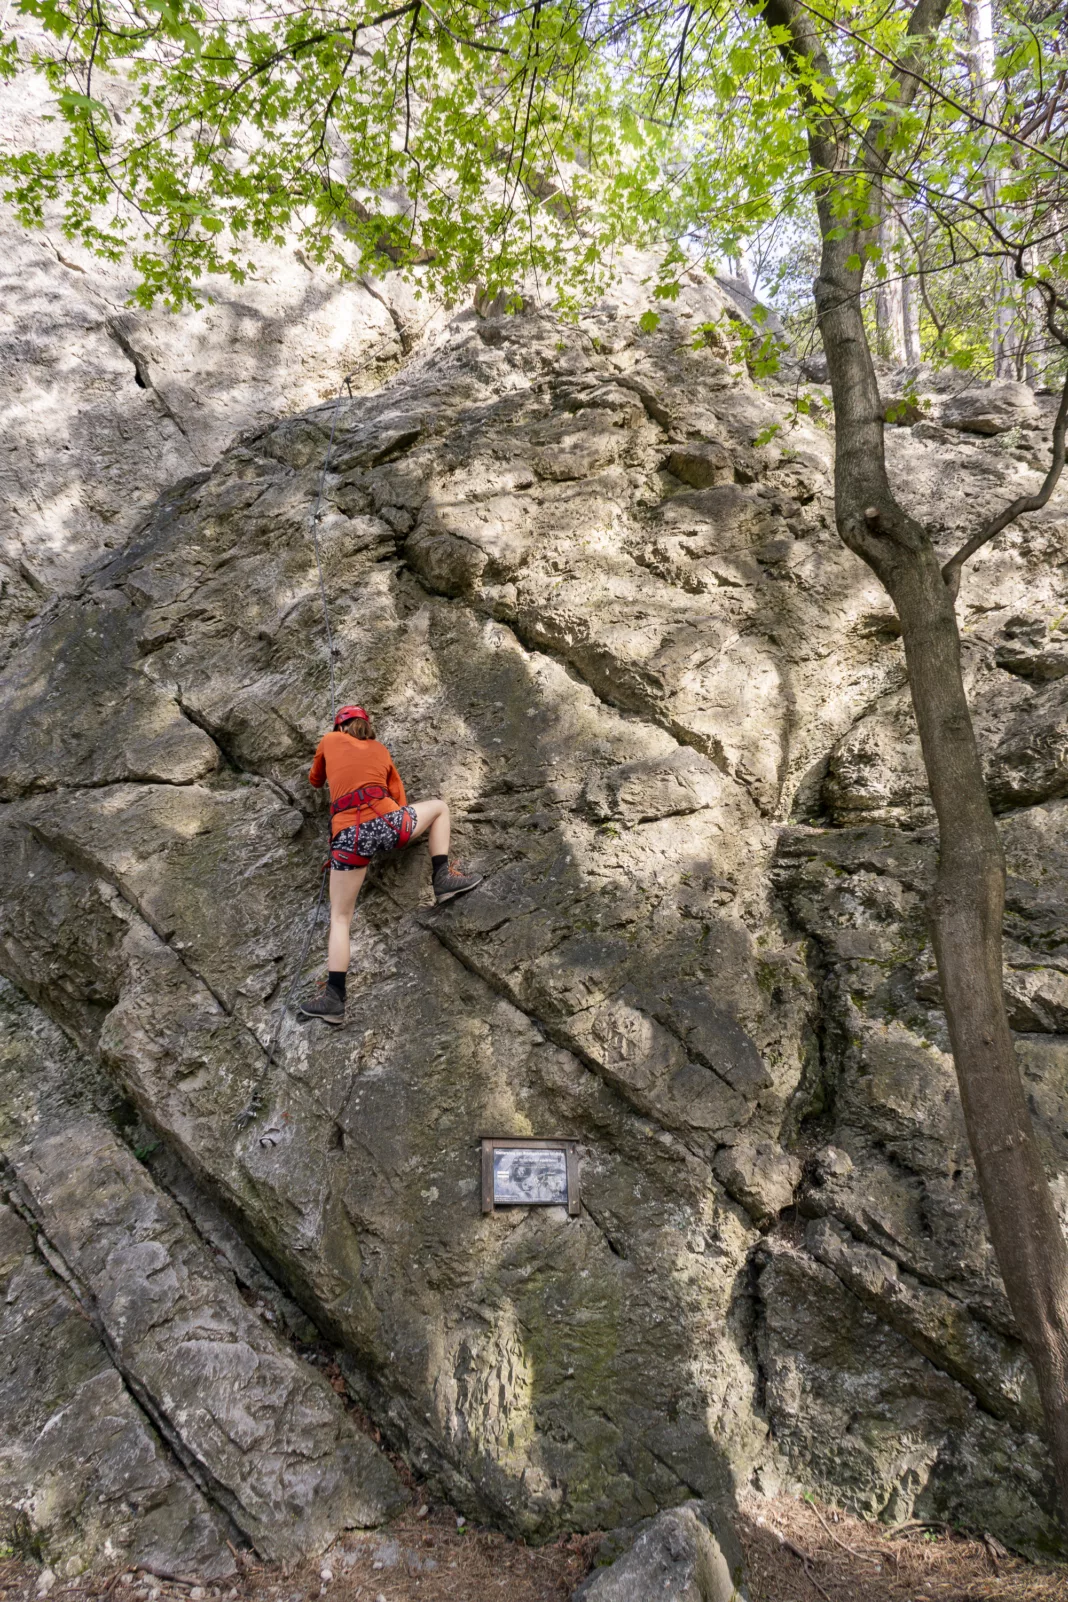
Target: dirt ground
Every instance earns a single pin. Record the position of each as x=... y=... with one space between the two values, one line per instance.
x=796 y=1551
x=802 y=1552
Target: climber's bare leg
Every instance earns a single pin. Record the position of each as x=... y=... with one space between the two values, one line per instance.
x=345 y=886
x=433 y=815
x=448 y=880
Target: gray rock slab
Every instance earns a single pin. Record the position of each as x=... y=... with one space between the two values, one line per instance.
x=534 y=1351
x=762 y=1177
x=702 y=465
x=84 y=1479
x=133 y=730
x=662 y=787
x=993 y=409
x=263 y=1430
x=896 y=1158
x=678 y=1558
x=1029 y=764
x=835 y=1375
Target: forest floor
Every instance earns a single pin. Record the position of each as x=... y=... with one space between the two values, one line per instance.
x=804 y=1552
x=797 y=1552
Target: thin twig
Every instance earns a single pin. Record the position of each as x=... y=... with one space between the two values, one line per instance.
x=864 y=1556
x=471 y=44
x=805 y=1558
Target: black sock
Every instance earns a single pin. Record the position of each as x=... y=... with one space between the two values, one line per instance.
x=336 y=981
x=438 y=863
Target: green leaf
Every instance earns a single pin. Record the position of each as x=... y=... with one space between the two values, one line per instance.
x=70 y=100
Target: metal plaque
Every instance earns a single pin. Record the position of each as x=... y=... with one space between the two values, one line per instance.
x=529 y=1173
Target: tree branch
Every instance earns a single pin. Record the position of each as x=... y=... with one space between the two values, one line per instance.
x=805 y=47
x=471 y=44
x=408 y=77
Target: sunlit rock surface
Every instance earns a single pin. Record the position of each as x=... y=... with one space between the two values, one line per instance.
x=590 y=600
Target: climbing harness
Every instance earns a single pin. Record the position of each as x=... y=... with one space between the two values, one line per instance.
x=356 y=800
x=355 y=845
x=250 y=1112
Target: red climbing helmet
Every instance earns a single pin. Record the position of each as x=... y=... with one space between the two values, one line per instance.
x=345 y=714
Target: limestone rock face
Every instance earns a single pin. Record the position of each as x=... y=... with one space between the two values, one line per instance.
x=667 y=708
x=836 y=1376
x=83 y=1476
x=107 y=405
x=267 y=1434
x=260 y=1448
x=897 y=1217
x=1011 y=611
x=112 y=736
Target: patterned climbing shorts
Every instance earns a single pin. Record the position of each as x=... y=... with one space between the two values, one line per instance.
x=355 y=846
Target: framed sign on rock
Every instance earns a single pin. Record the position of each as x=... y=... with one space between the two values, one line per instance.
x=529 y=1173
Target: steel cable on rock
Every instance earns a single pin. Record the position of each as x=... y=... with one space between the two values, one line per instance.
x=254 y=1105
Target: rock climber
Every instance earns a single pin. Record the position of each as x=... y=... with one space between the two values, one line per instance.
x=369 y=815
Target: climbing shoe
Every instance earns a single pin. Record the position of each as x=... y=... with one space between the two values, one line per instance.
x=325 y=1004
x=449 y=882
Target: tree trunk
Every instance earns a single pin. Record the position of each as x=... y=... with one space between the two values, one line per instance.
x=889 y=295
x=969 y=891
x=910 y=300
x=1035 y=322
x=966 y=916
x=1004 y=335
x=979 y=16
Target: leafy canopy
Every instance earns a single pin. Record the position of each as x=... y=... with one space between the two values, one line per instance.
x=491 y=144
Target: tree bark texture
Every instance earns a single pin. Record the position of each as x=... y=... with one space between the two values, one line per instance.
x=968 y=900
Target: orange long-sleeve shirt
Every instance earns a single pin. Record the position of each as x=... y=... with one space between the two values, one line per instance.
x=347 y=764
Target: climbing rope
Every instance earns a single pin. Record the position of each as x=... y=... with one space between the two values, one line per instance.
x=254 y=1106
x=346 y=383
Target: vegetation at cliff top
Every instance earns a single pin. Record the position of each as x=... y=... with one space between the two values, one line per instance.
x=498 y=144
